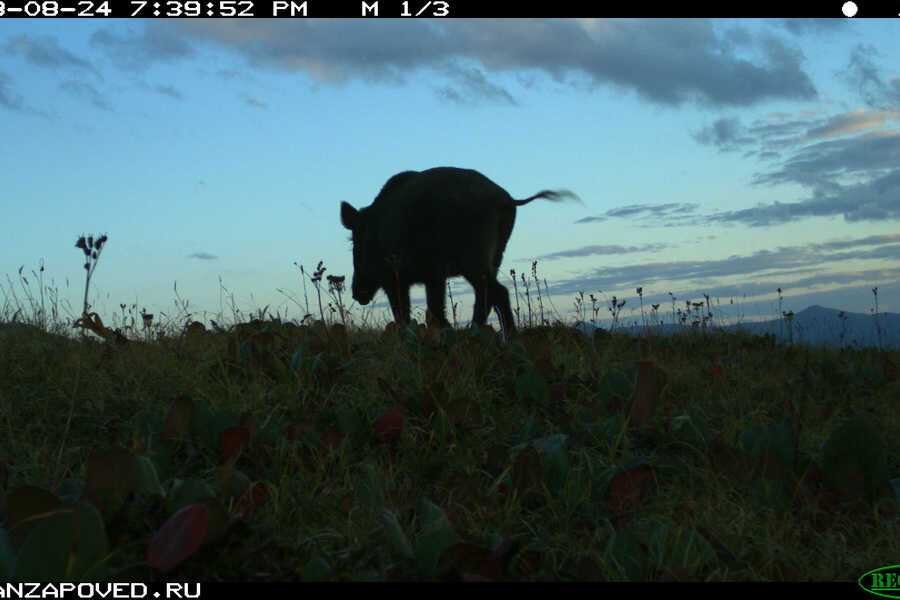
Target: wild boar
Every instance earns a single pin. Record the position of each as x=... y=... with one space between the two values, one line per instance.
x=427 y=226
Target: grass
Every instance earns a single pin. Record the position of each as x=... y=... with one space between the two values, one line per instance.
x=333 y=451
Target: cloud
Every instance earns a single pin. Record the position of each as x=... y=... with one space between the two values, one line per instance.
x=82 y=89
x=203 y=256
x=469 y=86
x=782 y=262
x=767 y=137
x=254 y=102
x=847 y=161
x=790 y=283
x=875 y=200
x=813 y=26
x=603 y=250
x=9 y=99
x=852 y=122
x=672 y=211
x=863 y=75
x=136 y=51
x=726 y=134
x=823 y=164
x=14 y=102
x=167 y=90
x=45 y=51
x=680 y=61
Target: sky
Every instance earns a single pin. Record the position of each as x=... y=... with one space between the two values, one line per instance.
x=712 y=156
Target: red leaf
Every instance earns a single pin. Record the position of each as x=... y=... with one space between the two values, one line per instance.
x=628 y=488
x=294 y=431
x=650 y=381
x=332 y=438
x=475 y=578
x=890 y=370
x=717 y=372
x=249 y=422
x=4 y=474
x=179 y=537
x=233 y=441
x=111 y=476
x=469 y=559
x=389 y=426
x=178 y=419
x=558 y=392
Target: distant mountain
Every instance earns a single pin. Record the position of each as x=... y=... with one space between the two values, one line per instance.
x=816 y=325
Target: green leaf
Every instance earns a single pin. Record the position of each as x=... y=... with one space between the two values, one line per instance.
x=219 y=520
x=7 y=557
x=296 y=360
x=394 y=533
x=162 y=455
x=691 y=428
x=232 y=482
x=71 y=490
x=23 y=505
x=202 y=425
x=436 y=536
x=681 y=549
x=771 y=447
x=624 y=555
x=90 y=543
x=44 y=555
x=854 y=459
x=532 y=387
x=146 y=479
x=189 y=491
x=616 y=385
x=555 y=460
x=369 y=488
x=317 y=569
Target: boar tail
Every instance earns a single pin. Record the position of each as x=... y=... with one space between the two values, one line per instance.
x=553 y=196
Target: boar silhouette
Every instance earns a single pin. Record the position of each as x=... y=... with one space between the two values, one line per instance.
x=427 y=226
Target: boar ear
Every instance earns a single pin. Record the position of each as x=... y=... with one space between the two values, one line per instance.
x=348 y=216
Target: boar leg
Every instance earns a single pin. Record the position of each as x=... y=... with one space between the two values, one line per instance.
x=436 y=300
x=399 y=300
x=500 y=297
x=480 y=311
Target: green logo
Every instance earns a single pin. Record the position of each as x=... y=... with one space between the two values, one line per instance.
x=883 y=581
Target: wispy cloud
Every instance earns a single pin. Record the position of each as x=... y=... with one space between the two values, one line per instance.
x=778 y=134
x=9 y=99
x=876 y=200
x=254 y=102
x=85 y=90
x=45 y=51
x=864 y=76
x=671 y=211
x=138 y=49
x=168 y=90
x=601 y=250
x=12 y=101
x=763 y=265
x=203 y=256
x=469 y=85
x=814 y=26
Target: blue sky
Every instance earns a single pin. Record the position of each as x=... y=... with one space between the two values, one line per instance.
x=727 y=157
